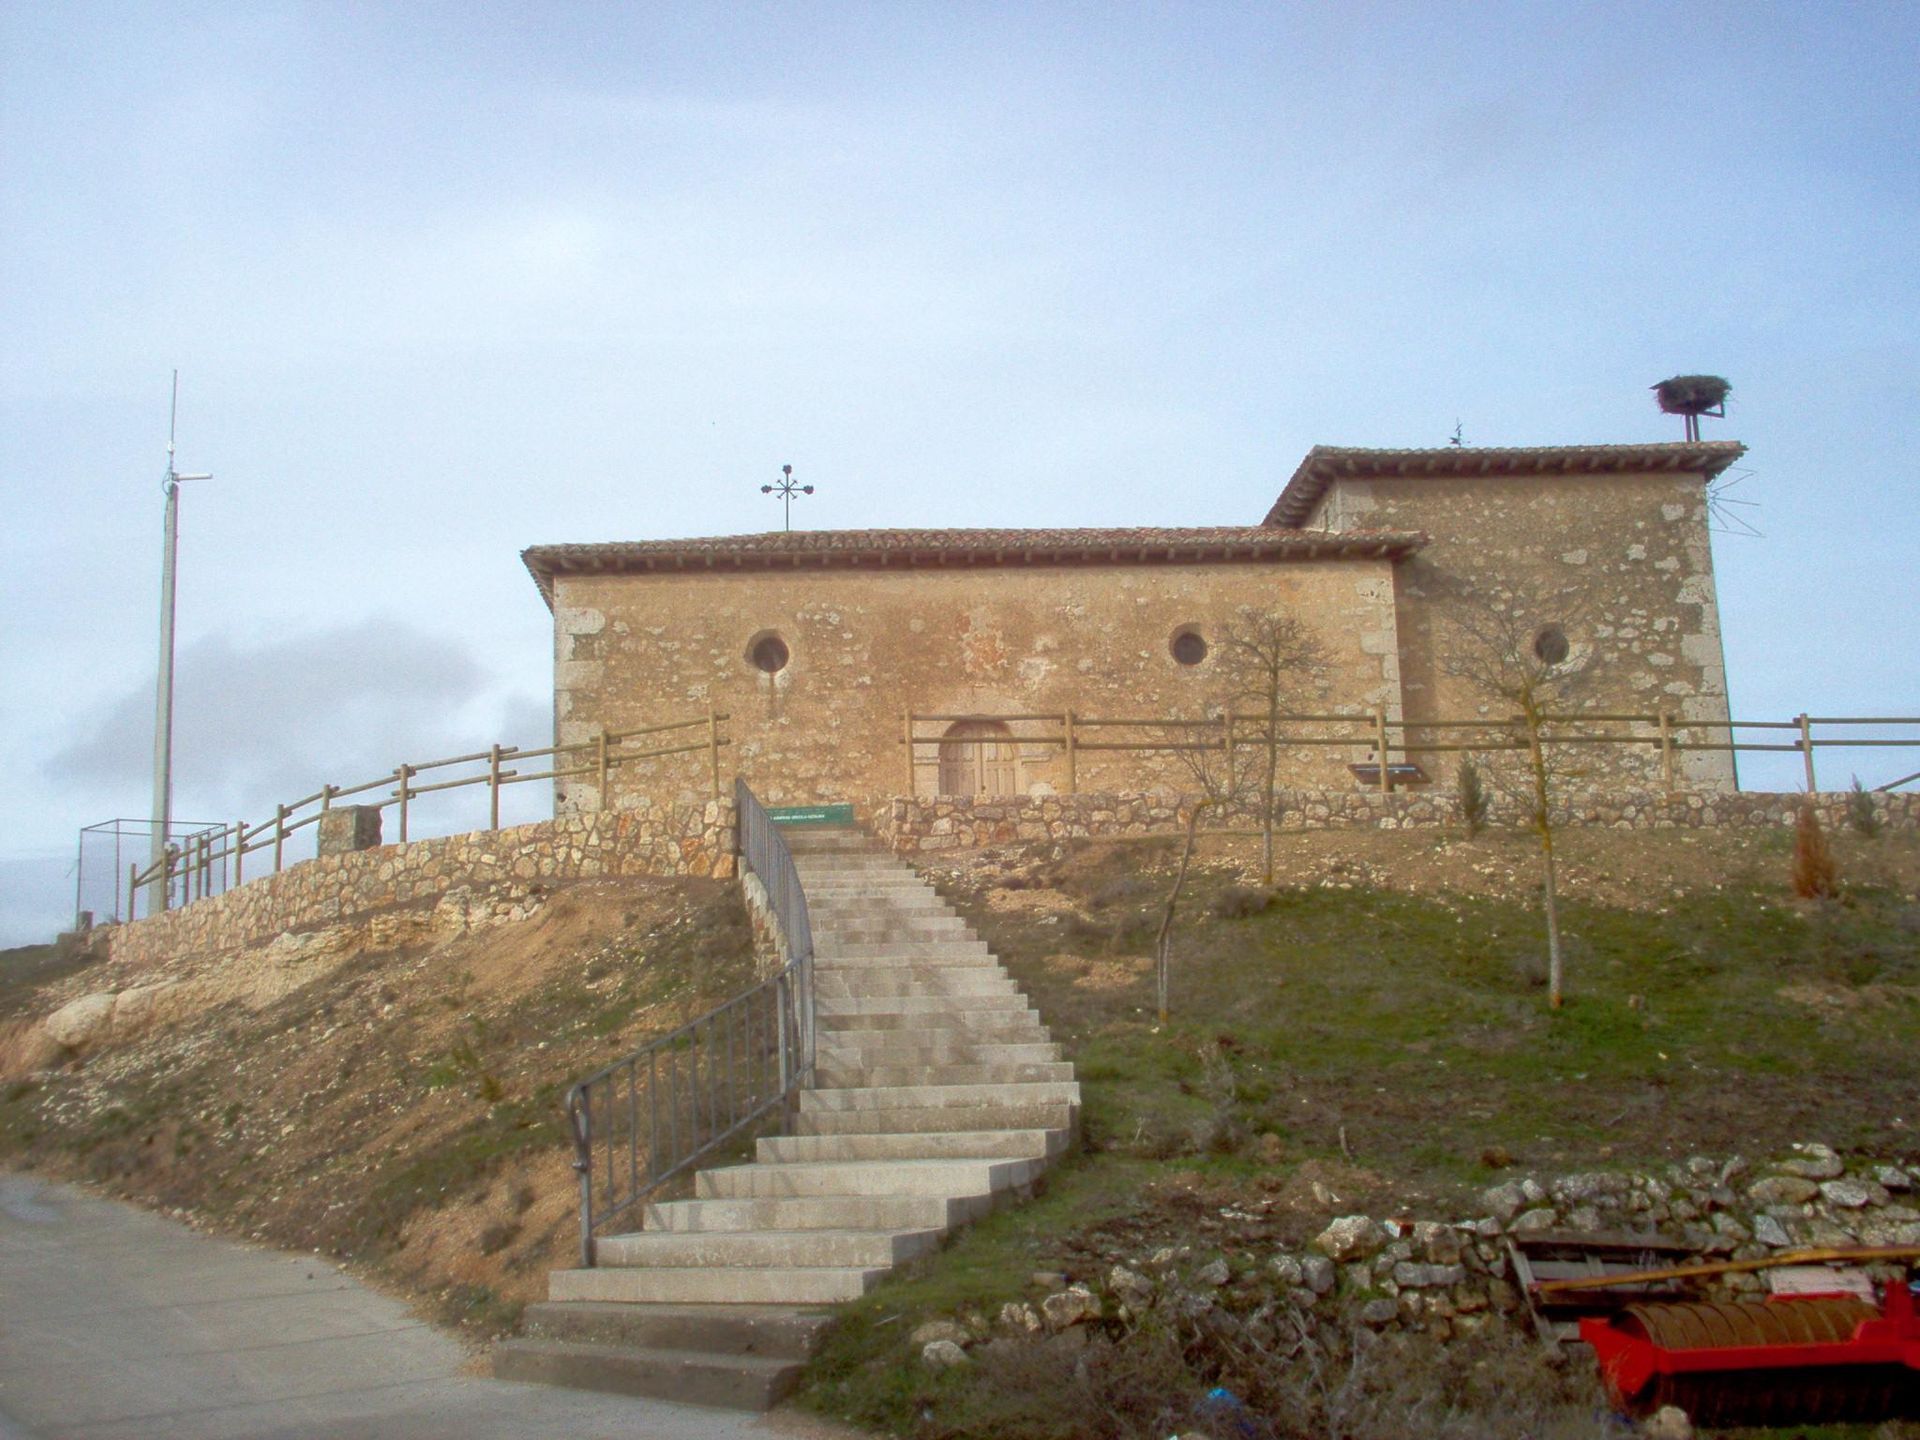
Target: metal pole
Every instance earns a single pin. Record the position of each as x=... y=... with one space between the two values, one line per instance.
x=493 y=788
x=1666 y=749
x=1380 y=743
x=713 y=745
x=163 y=697
x=1073 y=763
x=163 y=690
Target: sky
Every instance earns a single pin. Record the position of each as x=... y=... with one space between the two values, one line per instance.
x=445 y=280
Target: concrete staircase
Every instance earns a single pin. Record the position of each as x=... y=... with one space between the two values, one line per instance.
x=937 y=1095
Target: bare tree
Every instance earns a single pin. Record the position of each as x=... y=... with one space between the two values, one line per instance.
x=1508 y=649
x=1270 y=662
x=1267 y=662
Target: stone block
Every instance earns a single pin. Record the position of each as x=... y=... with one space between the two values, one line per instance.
x=349 y=828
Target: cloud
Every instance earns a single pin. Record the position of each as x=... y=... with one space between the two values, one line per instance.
x=260 y=723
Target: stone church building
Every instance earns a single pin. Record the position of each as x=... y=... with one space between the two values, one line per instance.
x=819 y=645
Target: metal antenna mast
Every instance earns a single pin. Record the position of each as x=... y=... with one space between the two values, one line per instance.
x=163 y=700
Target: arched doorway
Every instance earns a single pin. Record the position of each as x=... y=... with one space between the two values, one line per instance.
x=977 y=757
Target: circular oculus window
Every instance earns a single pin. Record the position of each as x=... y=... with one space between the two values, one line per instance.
x=1188 y=646
x=769 y=654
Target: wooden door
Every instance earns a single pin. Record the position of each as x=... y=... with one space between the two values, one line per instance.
x=978 y=757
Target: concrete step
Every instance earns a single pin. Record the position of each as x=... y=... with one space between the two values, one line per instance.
x=856 y=1077
x=832 y=940
x=902 y=1097
x=828 y=908
x=688 y=1377
x=897 y=959
x=909 y=1050
x=809 y=1249
x=894 y=950
x=904 y=981
x=774 y=1331
x=920 y=1145
x=766 y=1285
x=919 y=922
x=919 y=1119
x=957 y=1006
x=1007 y=1026
x=827 y=878
x=831 y=1212
x=872 y=1177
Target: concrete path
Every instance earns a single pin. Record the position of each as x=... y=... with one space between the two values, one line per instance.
x=116 y=1323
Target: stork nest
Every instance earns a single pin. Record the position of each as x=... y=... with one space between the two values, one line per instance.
x=1692 y=394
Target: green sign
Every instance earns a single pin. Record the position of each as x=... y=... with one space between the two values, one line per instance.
x=811 y=814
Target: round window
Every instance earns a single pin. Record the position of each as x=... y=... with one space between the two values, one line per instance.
x=1550 y=645
x=769 y=653
x=1189 y=647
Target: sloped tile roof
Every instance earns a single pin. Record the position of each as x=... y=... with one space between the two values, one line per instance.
x=1326 y=463
x=935 y=549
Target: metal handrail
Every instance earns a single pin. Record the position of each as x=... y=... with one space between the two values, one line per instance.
x=657 y=1112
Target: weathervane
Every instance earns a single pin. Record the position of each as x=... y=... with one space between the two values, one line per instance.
x=786 y=490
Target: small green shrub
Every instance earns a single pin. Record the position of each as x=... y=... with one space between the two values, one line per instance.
x=1473 y=796
x=1860 y=812
x=1238 y=902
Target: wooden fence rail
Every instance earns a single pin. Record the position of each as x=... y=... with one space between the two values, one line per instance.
x=217 y=858
x=1376 y=729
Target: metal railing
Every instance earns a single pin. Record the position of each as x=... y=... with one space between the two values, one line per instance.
x=654 y=1114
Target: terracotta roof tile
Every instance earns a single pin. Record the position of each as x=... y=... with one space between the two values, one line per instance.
x=1326 y=463
x=916 y=549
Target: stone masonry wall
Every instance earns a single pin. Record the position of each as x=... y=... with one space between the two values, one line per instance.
x=695 y=839
x=866 y=646
x=951 y=822
x=1621 y=562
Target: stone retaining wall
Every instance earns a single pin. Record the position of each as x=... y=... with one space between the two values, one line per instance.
x=696 y=839
x=959 y=822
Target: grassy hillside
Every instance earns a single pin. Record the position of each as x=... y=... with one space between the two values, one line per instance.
x=1373 y=1036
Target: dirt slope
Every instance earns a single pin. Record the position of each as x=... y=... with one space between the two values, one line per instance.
x=387 y=1091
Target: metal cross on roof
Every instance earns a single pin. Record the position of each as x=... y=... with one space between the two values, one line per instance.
x=786 y=490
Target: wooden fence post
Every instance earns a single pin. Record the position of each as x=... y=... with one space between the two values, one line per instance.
x=713 y=745
x=133 y=892
x=913 y=775
x=1666 y=749
x=600 y=765
x=1380 y=746
x=1073 y=756
x=1806 y=748
x=279 y=834
x=239 y=851
x=493 y=788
